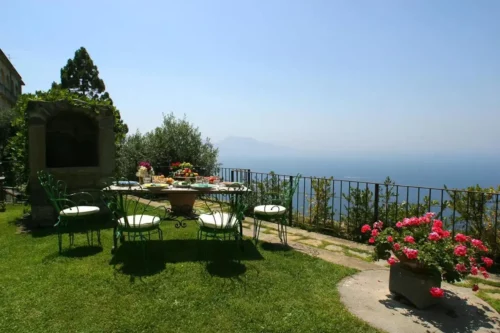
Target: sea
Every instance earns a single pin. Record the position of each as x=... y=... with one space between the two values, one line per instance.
x=454 y=171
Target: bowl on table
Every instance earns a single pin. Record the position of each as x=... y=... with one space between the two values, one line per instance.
x=155 y=187
x=205 y=187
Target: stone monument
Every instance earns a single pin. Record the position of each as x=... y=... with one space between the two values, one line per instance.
x=75 y=143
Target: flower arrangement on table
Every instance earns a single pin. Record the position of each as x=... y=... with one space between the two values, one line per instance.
x=144 y=169
x=423 y=245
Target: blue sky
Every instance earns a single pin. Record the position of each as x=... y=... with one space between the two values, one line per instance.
x=337 y=76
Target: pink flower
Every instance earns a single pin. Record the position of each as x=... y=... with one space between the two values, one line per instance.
x=477 y=243
x=461 y=268
x=392 y=261
x=410 y=253
x=396 y=247
x=473 y=270
x=487 y=261
x=399 y=225
x=410 y=239
x=460 y=251
x=430 y=215
x=390 y=240
x=486 y=275
x=472 y=260
x=444 y=234
x=475 y=287
x=365 y=228
x=371 y=240
x=434 y=236
x=460 y=238
x=436 y=292
x=437 y=224
x=374 y=233
x=482 y=269
x=406 y=222
x=378 y=225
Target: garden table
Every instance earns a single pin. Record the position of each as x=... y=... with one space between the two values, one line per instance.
x=176 y=195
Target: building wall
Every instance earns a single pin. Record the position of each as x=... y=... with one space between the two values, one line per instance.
x=10 y=83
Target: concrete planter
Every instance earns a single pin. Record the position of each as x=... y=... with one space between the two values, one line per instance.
x=403 y=282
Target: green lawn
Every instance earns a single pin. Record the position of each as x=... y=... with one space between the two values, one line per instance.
x=186 y=286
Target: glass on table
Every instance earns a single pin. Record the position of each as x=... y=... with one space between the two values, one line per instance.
x=199 y=179
x=147 y=180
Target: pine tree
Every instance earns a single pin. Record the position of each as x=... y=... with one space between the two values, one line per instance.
x=80 y=75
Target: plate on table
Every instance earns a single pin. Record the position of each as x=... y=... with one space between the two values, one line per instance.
x=155 y=186
x=232 y=184
x=182 y=184
x=202 y=186
x=126 y=183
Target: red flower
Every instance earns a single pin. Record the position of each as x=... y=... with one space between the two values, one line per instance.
x=444 y=234
x=460 y=251
x=477 y=243
x=475 y=287
x=437 y=224
x=461 y=268
x=434 y=236
x=487 y=261
x=430 y=215
x=392 y=261
x=365 y=228
x=371 y=240
x=436 y=292
x=460 y=238
x=374 y=233
x=486 y=275
x=410 y=253
x=482 y=269
x=399 y=225
x=473 y=270
x=390 y=240
x=396 y=247
x=410 y=239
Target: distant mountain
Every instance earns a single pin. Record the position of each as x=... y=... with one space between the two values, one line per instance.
x=243 y=147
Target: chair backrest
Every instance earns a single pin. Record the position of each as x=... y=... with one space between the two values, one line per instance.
x=56 y=190
x=290 y=190
x=233 y=205
x=130 y=203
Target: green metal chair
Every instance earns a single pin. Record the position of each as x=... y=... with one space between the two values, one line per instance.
x=76 y=211
x=134 y=216
x=276 y=210
x=223 y=216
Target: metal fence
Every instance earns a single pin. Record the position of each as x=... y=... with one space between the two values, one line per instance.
x=341 y=207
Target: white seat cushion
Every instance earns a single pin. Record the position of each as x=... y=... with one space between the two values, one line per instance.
x=269 y=210
x=140 y=221
x=217 y=221
x=79 y=211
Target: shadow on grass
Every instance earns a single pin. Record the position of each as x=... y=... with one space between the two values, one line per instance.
x=222 y=258
x=82 y=251
x=454 y=314
x=275 y=247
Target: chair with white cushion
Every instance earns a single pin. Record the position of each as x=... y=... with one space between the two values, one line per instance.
x=276 y=209
x=135 y=217
x=223 y=215
x=76 y=211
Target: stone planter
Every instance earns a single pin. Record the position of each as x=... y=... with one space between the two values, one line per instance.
x=182 y=203
x=403 y=282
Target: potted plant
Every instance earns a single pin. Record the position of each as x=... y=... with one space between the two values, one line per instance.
x=422 y=254
x=144 y=169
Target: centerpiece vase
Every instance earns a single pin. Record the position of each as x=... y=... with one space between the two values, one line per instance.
x=411 y=280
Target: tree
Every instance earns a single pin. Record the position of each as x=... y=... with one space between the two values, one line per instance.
x=80 y=75
x=177 y=140
x=6 y=117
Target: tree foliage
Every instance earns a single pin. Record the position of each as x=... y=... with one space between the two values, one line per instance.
x=6 y=116
x=81 y=76
x=176 y=140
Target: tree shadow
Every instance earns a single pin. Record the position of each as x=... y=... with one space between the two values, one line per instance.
x=452 y=315
x=275 y=247
x=222 y=258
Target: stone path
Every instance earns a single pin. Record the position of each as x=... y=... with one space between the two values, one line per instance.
x=367 y=296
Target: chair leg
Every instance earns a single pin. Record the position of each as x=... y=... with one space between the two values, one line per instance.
x=256 y=228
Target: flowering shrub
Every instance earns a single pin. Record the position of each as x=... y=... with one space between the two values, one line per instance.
x=147 y=165
x=422 y=244
x=178 y=165
x=144 y=169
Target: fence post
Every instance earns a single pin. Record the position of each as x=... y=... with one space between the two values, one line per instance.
x=375 y=204
x=290 y=205
x=249 y=174
x=232 y=175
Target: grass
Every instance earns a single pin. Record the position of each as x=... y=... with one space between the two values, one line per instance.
x=185 y=286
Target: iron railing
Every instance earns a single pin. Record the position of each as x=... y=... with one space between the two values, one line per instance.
x=341 y=207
